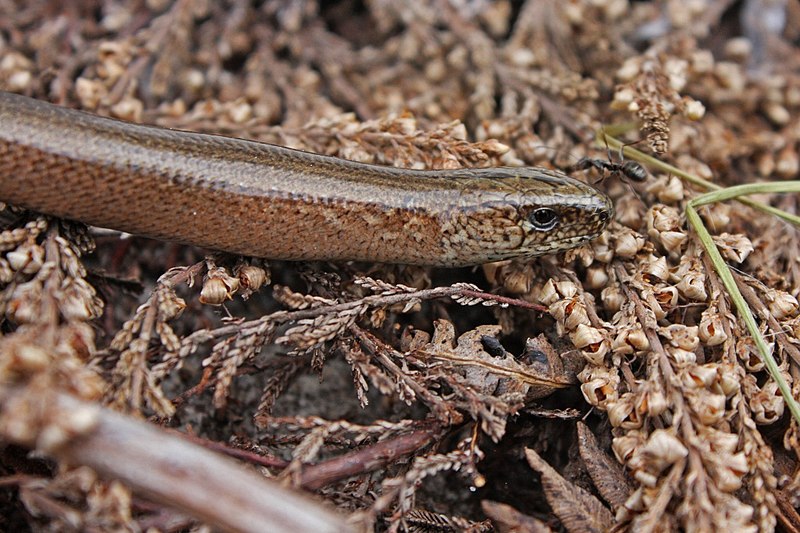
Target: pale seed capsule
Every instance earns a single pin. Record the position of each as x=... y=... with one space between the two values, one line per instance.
x=553 y=291
x=680 y=336
x=602 y=250
x=29 y=359
x=664 y=227
x=637 y=338
x=19 y=81
x=702 y=170
x=675 y=69
x=629 y=341
x=596 y=353
x=628 y=244
x=66 y=426
x=215 y=292
x=681 y=357
x=777 y=113
x=662 y=218
x=612 y=298
x=729 y=473
x=767 y=405
x=90 y=92
x=622 y=413
x=702 y=61
x=629 y=70
x=584 y=335
x=700 y=376
x=787 y=163
x=6 y=274
x=728 y=383
x=78 y=303
x=716 y=216
x=730 y=76
x=694 y=110
x=661 y=300
x=672 y=241
x=128 y=109
x=635 y=505
x=626 y=446
x=738 y=49
x=558 y=311
x=599 y=386
x=708 y=407
x=781 y=304
x=629 y=212
x=749 y=356
x=765 y=164
x=653 y=402
x=548 y=294
x=26 y=258
x=661 y=450
x=667 y=296
x=656 y=269
x=724 y=442
x=567 y=289
x=596 y=277
x=24 y=305
x=646 y=479
x=592 y=343
x=576 y=314
x=240 y=112
x=253 y=277
x=735 y=247
x=711 y=330
x=673 y=192
x=170 y=305
x=693 y=286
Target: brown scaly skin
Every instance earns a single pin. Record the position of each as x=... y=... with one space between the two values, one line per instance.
x=264 y=200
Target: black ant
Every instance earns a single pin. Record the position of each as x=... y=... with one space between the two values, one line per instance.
x=627 y=169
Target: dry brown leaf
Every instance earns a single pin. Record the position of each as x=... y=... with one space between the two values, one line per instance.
x=607 y=474
x=487 y=373
x=578 y=510
x=508 y=520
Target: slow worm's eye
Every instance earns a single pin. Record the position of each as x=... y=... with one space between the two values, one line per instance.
x=543 y=219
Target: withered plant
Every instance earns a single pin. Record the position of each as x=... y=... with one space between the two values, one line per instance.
x=610 y=387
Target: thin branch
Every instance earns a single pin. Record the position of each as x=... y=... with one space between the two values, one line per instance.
x=165 y=468
x=367 y=459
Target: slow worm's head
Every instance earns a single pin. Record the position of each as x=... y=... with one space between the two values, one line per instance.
x=511 y=213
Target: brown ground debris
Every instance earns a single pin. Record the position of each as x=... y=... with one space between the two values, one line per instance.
x=610 y=387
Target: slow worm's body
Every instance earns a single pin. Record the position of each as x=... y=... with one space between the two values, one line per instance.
x=264 y=200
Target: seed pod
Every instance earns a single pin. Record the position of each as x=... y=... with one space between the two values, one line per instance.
x=692 y=286
x=707 y=406
x=681 y=336
x=622 y=413
x=629 y=341
x=600 y=385
x=781 y=304
x=711 y=330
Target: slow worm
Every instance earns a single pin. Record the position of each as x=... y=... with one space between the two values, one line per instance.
x=263 y=200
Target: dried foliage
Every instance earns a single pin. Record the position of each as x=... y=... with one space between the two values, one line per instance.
x=409 y=398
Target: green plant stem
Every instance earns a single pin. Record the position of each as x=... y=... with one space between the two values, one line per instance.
x=726 y=275
x=719 y=194
x=604 y=138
